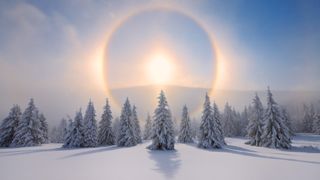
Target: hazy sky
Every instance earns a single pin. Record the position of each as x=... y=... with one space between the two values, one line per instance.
x=50 y=50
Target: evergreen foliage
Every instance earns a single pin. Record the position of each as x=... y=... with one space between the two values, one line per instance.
x=163 y=130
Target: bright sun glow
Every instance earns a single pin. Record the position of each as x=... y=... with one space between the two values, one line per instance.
x=160 y=69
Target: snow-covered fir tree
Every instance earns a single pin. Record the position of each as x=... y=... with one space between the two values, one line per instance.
x=58 y=133
x=176 y=127
x=217 y=124
x=106 y=134
x=147 y=128
x=126 y=136
x=74 y=139
x=275 y=133
x=244 y=121
x=308 y=116
x=185 y=134
x=287 y=120
x=195 y=126
x=28 y=132
x=53 y=134
x=44 y=129
x=90 y=129
x=137 y=129
x=9 y=126
x=163 y=132
x=208 y=138
x=316 y=124
x=116 y=128
x=228 y=124
x=254 y=128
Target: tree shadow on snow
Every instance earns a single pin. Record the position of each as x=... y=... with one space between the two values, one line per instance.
x=29 y=151
x=167 y=162
x=92 y=151
x=303 y=149
x=247 y=152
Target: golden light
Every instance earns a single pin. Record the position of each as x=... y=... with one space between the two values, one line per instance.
x=151 y=66
x=160 y=69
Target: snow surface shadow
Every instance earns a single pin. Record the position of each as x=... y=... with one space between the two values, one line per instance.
x=26 y=151
x=167 y=162
x=246 y=152
x=303 y=149
x=230 y=149
x=306 y=137
x=93 y=151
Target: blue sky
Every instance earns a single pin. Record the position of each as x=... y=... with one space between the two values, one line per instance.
x=47 y=48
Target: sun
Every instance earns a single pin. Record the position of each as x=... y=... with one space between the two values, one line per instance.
x=160 y=69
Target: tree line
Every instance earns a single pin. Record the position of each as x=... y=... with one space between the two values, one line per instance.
x=267 y=127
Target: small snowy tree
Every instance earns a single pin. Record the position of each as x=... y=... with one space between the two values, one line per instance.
x=106 y=135
x=275 y=132
x=90 y=129
x=126 y=135
x=137 y=130
x=59 y=133
x=147 y=128
x=308 y=118
x=53 y=135
x=208 y=138
x=163 y=132
x=9 y=126
x=116 y=127
x=254 y=128
x=229 y=127
x=74 y=139
x=28 y=132
x=217 y=124
x=287 y=121
x=243 y=124
x=185 y=134
x=316 y=124
x=195 y=125
x=44 y=129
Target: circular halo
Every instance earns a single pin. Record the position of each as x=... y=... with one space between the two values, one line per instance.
x=138 y=11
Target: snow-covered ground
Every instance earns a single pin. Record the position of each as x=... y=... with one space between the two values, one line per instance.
x=235 y=161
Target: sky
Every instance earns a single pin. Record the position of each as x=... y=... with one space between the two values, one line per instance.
x=63 y=53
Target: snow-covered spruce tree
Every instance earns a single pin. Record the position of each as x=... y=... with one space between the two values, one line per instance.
x=105 y=134
x=137 y=129
x=244 y=121
x=308 y=118
x=74 y=139
x=316 y=124
x=228 y=123
x=53 y=134
x=195 y=126
x=175 y=125
x=147 y=128
x=208 y=138
x=254 y=128
x=275 y=133
x=44 y=129
x=90 y=129
x=28 y=132
x=126 y=135
x=58 y=134
x=9 y=126
x=185 y=134
x=287 y=121
x=217 y=124
x=163 y=132
x=116 y=128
